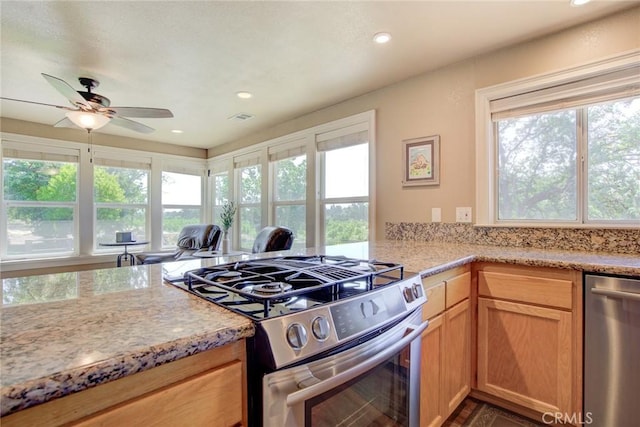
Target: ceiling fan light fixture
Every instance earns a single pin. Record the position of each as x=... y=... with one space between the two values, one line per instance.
x=382 y=38
x=86 y=120
x=577 y=3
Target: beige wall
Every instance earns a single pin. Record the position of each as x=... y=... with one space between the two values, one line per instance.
x=76 y=135
x=442 y=102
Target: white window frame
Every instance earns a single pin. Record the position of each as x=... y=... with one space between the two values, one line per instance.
x=365 y=120
x=240 y=162
x=486 y=145
x=184 y=168
x=85 y=219
x=43 y=148
x=287 y=150
x=125 y=159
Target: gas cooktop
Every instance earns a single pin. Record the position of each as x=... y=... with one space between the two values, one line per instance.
x=271 y=287
x=306 y=305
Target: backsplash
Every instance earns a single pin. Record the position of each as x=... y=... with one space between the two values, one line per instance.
x=626 y=241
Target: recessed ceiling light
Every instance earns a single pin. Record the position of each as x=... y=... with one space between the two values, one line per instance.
x=244 y=95
x=176 y=131
x=579 y=2
x=381 y=38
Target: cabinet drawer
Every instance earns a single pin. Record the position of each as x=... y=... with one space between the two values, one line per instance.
x=435 y=301
x=529 y=289
x=215 y=396
x=458 y=289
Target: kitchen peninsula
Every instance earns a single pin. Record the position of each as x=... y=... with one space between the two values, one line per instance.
x=67 y=332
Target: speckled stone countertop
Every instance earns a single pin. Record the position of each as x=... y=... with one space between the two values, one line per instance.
x=431 y=258
x=65 y=332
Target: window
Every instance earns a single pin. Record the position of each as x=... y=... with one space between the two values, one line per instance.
x=181 y=204
x=565 y=149
x=40 y=202
x=290 y=196
x=120 y=192
x=613 y=161
x=344 y=191
x=249 y=179
x=220 y=194
x=538 y=167
x=537 y=164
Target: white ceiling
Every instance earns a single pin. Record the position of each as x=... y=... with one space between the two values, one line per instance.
x=295 y=57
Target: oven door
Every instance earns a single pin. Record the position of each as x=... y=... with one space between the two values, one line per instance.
x=374 y=383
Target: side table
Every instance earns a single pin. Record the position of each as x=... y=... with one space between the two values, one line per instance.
x=125 y=255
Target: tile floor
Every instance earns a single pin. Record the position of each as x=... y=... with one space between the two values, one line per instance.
x=474 y=413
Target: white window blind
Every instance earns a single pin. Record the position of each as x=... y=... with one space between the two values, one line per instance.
x=219 y=167
x=345 y=137
x=285 y=151
x=121 y=163
x=57 y=155
x=184 y=169
x=246 y=160
x=617 y=84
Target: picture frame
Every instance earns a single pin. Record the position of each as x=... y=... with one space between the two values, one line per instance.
x=421 y=161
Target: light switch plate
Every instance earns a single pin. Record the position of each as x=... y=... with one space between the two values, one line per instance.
x=463 y=214
x=436 y=215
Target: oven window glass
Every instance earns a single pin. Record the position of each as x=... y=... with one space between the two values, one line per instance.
x=379 y=397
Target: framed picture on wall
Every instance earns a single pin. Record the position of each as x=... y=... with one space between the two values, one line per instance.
x=421 y=161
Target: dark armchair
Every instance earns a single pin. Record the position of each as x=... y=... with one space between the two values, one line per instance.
x=272 y=239
x=192 y=238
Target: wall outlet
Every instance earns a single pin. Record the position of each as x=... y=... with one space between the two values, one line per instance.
x=436 y=215
x=463 y=214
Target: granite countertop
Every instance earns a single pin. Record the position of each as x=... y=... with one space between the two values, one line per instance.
x=429 y=258
x=66 y=332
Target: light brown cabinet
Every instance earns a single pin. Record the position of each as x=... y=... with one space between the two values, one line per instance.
x=446 y=345
x=457 y=360
x=212 y=397
x=529 y=336
x=200 y=390
x=432 y=372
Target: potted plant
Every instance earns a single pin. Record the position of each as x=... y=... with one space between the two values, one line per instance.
x=226 y=221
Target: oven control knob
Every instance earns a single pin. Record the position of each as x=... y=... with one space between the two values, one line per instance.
x=408 y=294
x=417 y=290
x=320 y=328
x=297 y=336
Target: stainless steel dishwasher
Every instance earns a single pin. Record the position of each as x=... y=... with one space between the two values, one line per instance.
x=612 y=351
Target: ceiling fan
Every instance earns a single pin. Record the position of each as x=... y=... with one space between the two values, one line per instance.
x=91 y=111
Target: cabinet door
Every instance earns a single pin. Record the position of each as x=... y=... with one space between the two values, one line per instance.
x=457 y=355
x=431 y=408
x=524 y=354
x=212 y=398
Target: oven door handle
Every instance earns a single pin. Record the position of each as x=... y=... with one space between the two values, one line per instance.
x=342 y=377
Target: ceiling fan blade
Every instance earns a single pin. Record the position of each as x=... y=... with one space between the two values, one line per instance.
x=65 y=123
x=38 y=103
x=67 y=90
x=130 y=124
x=151 y=113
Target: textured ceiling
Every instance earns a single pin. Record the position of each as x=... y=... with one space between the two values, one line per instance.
x=295 y=57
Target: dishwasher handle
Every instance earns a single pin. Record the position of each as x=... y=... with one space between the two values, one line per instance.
x=616 y=294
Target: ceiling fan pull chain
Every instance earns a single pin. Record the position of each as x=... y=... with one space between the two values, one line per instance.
x=90 y=148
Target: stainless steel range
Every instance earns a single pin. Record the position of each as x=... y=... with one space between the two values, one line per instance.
x=337 y=339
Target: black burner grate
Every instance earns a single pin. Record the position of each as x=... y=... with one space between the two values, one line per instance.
x=314 y=280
